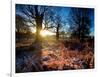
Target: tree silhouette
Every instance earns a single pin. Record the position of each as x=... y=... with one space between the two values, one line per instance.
x=34 y=15
x=58 y=26
x=55 y=22
x=79 y=20
x=22 y=29
x=20 y=24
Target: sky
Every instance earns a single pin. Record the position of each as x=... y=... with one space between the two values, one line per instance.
x=64 y=13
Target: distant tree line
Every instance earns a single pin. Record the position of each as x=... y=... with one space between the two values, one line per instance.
x=78 y=19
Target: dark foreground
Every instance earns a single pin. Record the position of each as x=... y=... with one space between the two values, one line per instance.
x=65 y=55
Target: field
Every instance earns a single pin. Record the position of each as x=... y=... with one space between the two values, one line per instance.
x=53 y=38
x=53 y=55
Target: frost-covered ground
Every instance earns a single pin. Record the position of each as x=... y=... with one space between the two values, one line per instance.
x=52 y=56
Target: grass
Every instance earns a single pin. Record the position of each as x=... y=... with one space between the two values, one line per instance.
x=54 y=55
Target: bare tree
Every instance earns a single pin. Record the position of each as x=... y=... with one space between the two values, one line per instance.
x=21 y=26
x=58 y=22
x=34 y=15
x=54 y=21
x=39 y=15
x=79 y=21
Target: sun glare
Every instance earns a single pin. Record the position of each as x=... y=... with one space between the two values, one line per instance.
x=46 y=33
x=43 y=32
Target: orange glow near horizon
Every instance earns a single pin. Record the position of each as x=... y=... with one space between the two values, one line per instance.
x=46 y=33
x=43 y=32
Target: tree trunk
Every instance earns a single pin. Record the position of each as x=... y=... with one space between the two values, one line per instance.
x=57 y=32
x=39 y=20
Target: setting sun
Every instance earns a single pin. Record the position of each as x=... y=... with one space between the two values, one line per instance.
x=42 y=32
x=46 y=32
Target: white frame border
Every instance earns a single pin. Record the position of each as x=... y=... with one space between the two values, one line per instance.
x=69 y=3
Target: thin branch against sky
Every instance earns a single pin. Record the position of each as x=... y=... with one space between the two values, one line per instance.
x=62 y=11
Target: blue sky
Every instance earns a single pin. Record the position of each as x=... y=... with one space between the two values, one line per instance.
x=64 y=13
